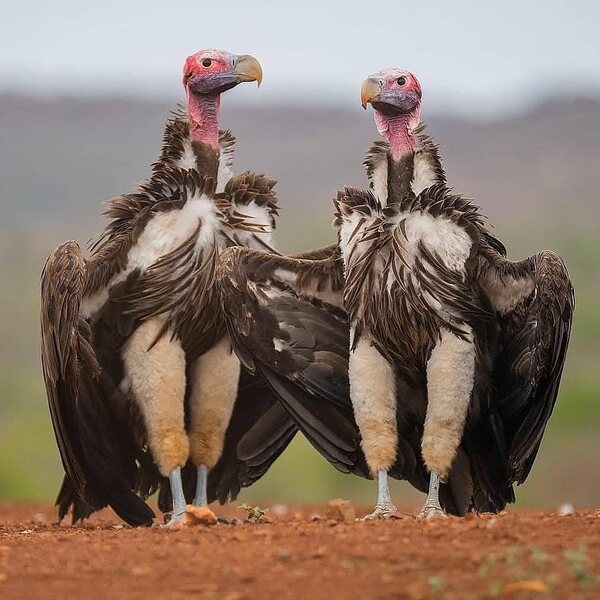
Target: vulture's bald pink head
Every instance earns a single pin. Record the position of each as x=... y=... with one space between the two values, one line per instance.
x=395 y=95
x=206 y=75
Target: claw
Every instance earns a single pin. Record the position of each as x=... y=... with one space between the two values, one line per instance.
x=430 y=511
x=382 y=511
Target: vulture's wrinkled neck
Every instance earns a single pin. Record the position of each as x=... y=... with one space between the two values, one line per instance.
x=203 y=113
x=399 y=132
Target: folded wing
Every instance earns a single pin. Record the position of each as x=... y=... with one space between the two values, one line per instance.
x=95 y=449
x=535 y=301
x=283 y=318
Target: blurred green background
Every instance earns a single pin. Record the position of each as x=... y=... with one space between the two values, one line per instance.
x=539 y=193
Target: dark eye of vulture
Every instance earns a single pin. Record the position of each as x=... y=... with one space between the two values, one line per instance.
x=207 y=62
x=401 y=80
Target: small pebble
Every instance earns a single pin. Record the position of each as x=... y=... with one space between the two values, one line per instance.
x=566 y=509
x=340 y=510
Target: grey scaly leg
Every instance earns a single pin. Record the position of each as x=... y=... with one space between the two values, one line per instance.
x=385 y=507
x=200 y=499
x=178 y=497
x=432 y=507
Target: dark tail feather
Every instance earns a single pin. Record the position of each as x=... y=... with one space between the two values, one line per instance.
x=259 y=431
x=67 y=500
x=112 y=473
x=262 y=453
x=484 y=442
x=266 y=435
x=456 y=496
x=333 y=433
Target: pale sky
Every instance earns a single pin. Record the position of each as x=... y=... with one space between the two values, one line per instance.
x=474 y=57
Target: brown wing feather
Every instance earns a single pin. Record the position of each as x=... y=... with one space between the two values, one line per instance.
x=534 y=337
x=325 y=252
x=62 y=284
x=99 y=469
x=299 y=343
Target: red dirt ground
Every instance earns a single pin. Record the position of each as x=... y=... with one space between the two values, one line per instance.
x=512 y=555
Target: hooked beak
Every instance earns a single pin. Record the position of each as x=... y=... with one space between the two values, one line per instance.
x=386 y=101
x=247 y=68
x=244 y=68
x=371 y=88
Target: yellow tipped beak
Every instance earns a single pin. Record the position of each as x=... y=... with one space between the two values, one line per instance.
x=247 y=68
x=371 y=88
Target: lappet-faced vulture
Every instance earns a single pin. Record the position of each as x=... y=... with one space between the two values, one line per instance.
x=455 y=352
x=138 y=367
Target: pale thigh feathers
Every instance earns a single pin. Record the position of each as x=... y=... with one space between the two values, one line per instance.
x=156 y=377
x=450 y=377
x=215 y=378
x=373 y=394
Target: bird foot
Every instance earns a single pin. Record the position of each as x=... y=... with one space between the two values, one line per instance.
x=382 y=511
x=431 y=511
x=174 y=522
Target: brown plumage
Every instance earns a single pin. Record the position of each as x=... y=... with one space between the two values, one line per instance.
x=399 y=293
x=100 y=470
x=404 y=307
x=91 y=307
x=532 y=346
x=297 y=341
x=277 y=306
x=403 y=292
